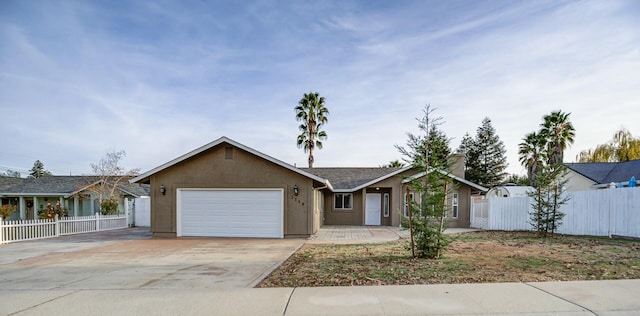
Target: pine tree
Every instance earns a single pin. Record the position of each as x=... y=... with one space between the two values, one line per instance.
x=428 y=154
x=485 y=156
x=38 y=170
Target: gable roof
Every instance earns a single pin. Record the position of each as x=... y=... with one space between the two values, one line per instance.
x=145 y=176
x=58 y=186
x=606 y=172
x=454 y=177
x=354 y=179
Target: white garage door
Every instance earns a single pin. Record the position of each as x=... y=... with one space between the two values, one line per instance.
x=230 y=213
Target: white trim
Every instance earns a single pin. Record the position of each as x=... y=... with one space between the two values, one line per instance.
x=179 y=203
x=229 y=141
x=376 y=180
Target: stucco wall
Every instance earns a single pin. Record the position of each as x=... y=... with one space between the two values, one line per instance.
x=211 y=169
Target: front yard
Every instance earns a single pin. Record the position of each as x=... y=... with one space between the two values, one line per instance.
x=478 y=257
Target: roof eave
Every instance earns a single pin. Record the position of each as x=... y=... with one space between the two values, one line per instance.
x=217 y=142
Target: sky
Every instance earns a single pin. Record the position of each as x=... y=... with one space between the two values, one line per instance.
x=158 y=79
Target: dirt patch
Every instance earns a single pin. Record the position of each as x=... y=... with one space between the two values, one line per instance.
x=477 y=257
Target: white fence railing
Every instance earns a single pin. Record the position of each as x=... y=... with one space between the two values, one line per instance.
x=595 y=213
x=22 y=230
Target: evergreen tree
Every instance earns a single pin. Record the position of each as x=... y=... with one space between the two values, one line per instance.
x=428 y=154
x=38 y=170
x=485 y=156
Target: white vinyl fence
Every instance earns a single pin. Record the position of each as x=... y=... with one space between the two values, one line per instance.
x=21 y=230
x=595 y=213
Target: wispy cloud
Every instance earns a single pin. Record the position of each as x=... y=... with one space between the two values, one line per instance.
x=159 y=79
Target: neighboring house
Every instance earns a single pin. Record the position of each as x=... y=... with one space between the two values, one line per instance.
x=510 y=191
x=73 y=193
x=599 y=175
x=226 y=189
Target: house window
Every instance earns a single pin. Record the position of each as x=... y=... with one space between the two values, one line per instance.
x=454 y=206
x=342 y=201
x=406 y=205
x=385 y=205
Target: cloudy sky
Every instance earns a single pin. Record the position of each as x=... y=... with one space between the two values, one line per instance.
x=160 y=78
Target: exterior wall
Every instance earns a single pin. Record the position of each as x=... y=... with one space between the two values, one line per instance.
x=464 y=206
x=211 y=169
x=354 y=216
x=577 y=182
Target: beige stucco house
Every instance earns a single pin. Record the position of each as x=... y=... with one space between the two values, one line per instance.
x=583 y=176
x=226 y=189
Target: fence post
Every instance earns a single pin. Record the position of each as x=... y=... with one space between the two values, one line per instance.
x=97 y=221
x=1 y=231
x=57 y=225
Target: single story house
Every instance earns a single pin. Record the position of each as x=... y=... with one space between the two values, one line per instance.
x=599 y=175
x=510 y=191
x=226 y=189
x=72 y=192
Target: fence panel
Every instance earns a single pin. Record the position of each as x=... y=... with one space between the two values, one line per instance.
x=594 y=213
x=77 y=225
x=509 y=213
x=22 y=230
x=480 y=213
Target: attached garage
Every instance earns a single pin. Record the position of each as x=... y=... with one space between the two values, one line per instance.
x=226 y=189
x=230 y=212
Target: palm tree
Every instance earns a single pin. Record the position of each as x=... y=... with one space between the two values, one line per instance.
x=313 y=114
x=559 y=133
x=531 y=152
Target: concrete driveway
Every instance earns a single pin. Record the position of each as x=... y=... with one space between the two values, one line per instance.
x=131 y=259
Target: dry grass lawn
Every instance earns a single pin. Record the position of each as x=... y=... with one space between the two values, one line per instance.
x=471 y=258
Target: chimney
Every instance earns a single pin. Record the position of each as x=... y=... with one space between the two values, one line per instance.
x=457 y=165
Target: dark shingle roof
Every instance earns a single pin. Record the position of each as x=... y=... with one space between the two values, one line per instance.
x=349 y=178
x=606 y=172
x=58 y=185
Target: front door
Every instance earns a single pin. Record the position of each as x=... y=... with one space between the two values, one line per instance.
x=372 y=209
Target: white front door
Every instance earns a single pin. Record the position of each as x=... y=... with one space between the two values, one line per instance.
x=372 y=209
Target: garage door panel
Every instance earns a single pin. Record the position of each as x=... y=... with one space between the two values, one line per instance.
x=231 y=213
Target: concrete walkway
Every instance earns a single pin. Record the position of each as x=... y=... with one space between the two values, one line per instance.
x=547 y=298
x=334 y=234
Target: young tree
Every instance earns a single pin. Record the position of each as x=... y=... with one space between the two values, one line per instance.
x=313 y=114
x=108 y=174
x=542 y=154
x=428 y=154
x=38 y=170
x=485 y=156
x=622 y=147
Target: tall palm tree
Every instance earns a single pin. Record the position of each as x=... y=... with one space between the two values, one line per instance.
x=559 y=133
x=313 y=114
x=531 y=152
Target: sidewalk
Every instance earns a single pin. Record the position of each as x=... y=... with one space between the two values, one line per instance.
x=546 y=298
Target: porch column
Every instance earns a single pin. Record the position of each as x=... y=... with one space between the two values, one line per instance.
x=23 y=207
x=127 y=210
x=76 y=206
x=35 y=207
x=92 y=207
x=61 y=202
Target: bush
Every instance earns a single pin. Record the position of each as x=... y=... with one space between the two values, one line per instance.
x=109 y=207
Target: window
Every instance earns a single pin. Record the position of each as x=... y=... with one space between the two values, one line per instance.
x=454 y=206
x=385 y=205
x=342 y=201
x=406 y=205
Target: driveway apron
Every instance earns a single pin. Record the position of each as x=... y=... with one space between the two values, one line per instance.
x=91 y=263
